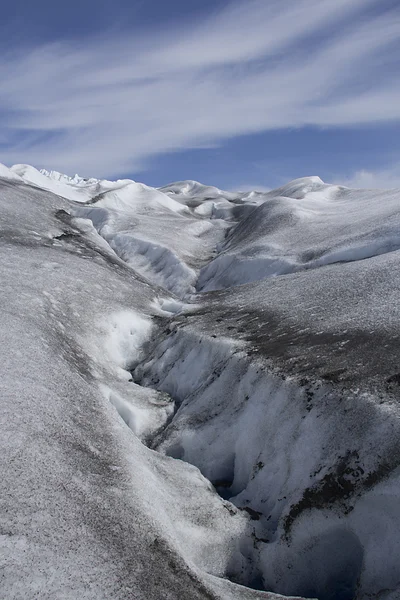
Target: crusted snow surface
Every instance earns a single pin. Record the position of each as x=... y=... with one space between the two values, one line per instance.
x=296 y=424
x=159 y=237
x=276 y=388
x=207 y=200
x=168 y=234
x=304 y=225
x=287 y=389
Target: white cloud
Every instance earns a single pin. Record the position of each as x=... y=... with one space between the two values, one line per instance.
x=385 y=178
x=106 y=105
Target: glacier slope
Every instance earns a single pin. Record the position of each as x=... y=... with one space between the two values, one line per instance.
x=164 y=239
x=87 y=509
x=304 y=225
x=290 y=407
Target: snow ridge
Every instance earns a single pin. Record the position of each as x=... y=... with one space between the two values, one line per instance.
x=75 y=180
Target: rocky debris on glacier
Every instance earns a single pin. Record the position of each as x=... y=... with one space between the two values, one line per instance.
x=252 y=336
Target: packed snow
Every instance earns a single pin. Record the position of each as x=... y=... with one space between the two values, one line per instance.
x=200 y=390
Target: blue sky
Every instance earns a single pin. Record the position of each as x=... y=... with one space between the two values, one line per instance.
x=234 y=93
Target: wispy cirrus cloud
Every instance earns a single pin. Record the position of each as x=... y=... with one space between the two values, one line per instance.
x=106 y=105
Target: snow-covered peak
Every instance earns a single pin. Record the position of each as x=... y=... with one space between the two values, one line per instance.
x=7 y=173
x=182 y=190
x=298 y=188
x=75 y=180
x=72 y=188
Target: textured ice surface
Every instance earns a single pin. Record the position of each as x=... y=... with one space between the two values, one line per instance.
x=304 y=225
x=278 y=392
x=156 y=235
x=86 y=509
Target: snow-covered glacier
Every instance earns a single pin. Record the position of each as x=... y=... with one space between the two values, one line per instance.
x=199 y=390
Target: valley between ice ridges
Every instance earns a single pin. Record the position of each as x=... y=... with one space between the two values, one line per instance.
x=214 y=434
x=282 y=392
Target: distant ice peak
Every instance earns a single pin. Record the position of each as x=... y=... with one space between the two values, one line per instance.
x=61 y=177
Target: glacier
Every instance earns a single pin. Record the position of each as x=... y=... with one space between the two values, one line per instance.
x=199 y=390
